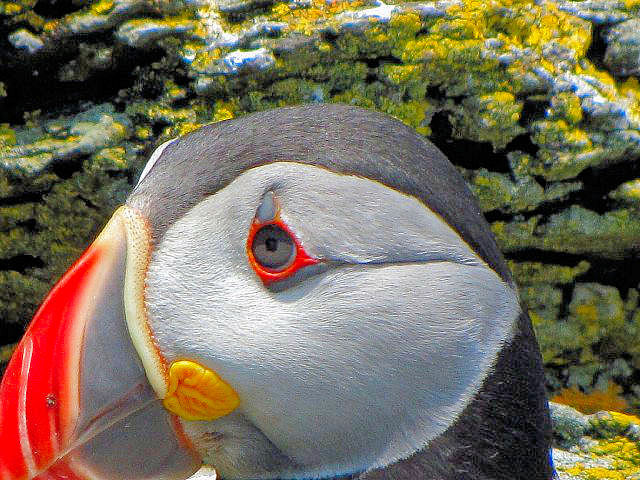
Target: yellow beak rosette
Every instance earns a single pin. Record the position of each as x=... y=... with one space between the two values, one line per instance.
x=198 y=393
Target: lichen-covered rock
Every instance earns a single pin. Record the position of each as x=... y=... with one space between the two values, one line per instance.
x=601 y=11
x=576 y=230
x=58 y=182
x=537 y=103
x=24 y=39
x=605 y=445
x=623 y=48
x=138 y=33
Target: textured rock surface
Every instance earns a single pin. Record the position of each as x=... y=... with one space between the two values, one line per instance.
x=537 y=103
x=605 y=445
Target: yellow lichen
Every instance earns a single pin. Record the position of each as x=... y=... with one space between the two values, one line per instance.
x=305 y=20
x=279 y=10
x=566 y=106
x=12 y=8
x=628 y=191
x=102 y=7
x=405 y=24
x=624 y=420
x=7 y=135
x=222 y=114
x=631 y=88
x=595 y=473
x=631 y=4
x=587 y=312
x=225 y=110
x=559 y=135
x=143 y=133
x=621 y=455
x=411 y=113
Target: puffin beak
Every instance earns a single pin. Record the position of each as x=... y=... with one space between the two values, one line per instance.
x=82 y=395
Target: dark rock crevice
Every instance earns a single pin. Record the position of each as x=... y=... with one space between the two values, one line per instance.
x=21 y=263
x=524 y=144
x=24 y=198
x=33 y=82
x=10 y=333
x=533 y=109
x=57 y=8
x=545 y=257
x=600 y=182
x=465 y=153
x=598 y=46
x=594 y=195
x=622 y=274
x=65 y=169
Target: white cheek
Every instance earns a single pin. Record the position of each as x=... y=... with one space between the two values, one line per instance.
x=358 y=367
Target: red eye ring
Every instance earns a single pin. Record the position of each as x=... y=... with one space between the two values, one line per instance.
x=268 y=275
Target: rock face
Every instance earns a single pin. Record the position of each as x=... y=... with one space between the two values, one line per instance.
x=537 y=103
x=605 y=445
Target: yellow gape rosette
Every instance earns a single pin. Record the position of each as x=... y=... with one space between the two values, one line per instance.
x=197 y=393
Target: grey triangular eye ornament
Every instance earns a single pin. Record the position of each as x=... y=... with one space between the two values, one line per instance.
x=273 y=250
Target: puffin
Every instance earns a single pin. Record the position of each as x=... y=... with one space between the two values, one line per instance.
x=310 y=292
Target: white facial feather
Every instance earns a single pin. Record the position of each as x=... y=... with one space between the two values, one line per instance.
x=350 y=369
x=154 y=158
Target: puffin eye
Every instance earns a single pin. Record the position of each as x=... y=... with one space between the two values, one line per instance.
x=273 y=248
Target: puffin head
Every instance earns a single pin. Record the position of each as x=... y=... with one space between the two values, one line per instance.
x=308 y=292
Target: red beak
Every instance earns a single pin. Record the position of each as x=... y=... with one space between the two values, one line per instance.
x=75 y=400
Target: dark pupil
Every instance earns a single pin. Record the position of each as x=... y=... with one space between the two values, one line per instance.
x=273 y=247
x=272 y=244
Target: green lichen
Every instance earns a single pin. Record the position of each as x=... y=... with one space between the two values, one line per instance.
x=5 y=352
x=491 y=118
x=566 y=106
x=595 y=311
x=7 y=135
x=575 y=230
x=141 y=32
x=65 y=211
x=598 y=326
x=544 y=303
x=628 y=193
x=528 y=273
x=499 y=191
